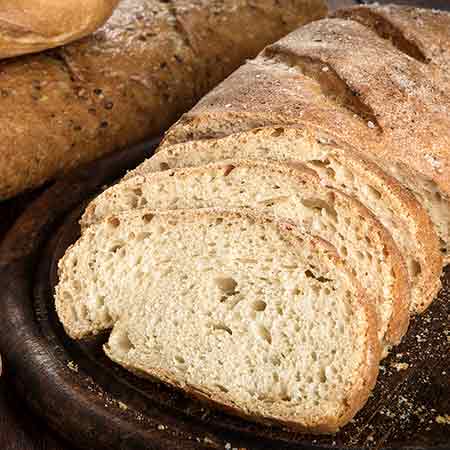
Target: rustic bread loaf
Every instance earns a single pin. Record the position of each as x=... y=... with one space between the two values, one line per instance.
x=358 y=80
x=30 y=26
x=337 y=165
x=262 y=320
x=295 y=194
x=128 y=81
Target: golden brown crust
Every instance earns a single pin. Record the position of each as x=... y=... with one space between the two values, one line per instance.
x=423 y=34
x=127 y=81
x=368 y=371
x=29 y=26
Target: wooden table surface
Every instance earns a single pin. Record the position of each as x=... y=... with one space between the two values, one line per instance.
x=19 y=428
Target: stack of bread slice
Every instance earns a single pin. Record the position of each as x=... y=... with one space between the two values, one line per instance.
x=274 y=248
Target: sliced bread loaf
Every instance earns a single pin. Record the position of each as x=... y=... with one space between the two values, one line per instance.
x=235 y=308
x=289 y=193
x=364 y=76
x=339 y=166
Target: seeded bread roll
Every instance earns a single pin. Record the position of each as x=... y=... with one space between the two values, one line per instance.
x=262 y=320
x=30 y=26
x=128 y=81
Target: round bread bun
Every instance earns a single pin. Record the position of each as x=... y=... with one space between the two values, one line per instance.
x=30 y=26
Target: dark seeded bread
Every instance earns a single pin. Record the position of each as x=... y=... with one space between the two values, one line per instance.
x=128 y=81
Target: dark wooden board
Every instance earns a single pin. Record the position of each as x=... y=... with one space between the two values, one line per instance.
x=97 y=405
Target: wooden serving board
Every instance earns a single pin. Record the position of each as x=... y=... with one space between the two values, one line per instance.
x=98 y=405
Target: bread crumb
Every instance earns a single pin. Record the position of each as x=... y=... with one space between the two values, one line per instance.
x=400 y=366
x=207 y=440
x=122 y=406
x=72 y=366
x=325 y=69
x=443 y=420
x=370 y=124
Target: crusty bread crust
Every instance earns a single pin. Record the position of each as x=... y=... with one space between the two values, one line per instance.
x=367 y=372
x=29 y=26
x=128 y=81
x=339 y=74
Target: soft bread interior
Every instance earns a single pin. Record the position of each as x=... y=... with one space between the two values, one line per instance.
x=289 y=193
x=254 y=315
x=395 y=208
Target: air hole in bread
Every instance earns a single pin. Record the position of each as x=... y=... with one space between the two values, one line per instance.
x=320 y=205
x=227 y=285
x=415 y=268
x=116 y=246
x=143 y=235
x=331 y=173
x=373 y=193
x=163 y=165
x=320 y=279
x=179 y=359
x=264 y=333
x=147 y=218
x=259 y=305
x=319 y=163
x=74 y=313
x=277 y=132
x=113 y=221
x=275 y=360
x=67 y=296
x=222 y=327
x=124 y=343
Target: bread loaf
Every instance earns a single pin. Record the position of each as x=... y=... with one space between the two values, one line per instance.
x=337 y=165
x=30 y=26
x=293 y=194
x=249 y=324
x=359 y=79
x=128 y=81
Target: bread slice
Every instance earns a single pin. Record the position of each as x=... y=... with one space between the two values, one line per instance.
x=233 y=307
x=337 y=165
x=290 y=193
